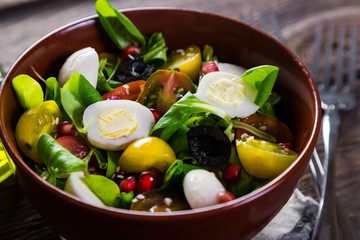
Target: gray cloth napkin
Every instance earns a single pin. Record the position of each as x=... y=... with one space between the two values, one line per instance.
x=294 y=221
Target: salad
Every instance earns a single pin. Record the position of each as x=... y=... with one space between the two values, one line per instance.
x=152 y=129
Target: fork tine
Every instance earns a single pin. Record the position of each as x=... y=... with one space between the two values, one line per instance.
x=317 y=50
x=340 y=58
x=328 y=53
x=353 y=56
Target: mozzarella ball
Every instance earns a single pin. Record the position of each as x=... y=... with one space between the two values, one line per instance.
x=228 y=92
x=201 y=188
x=113 y=124
x=84 y=61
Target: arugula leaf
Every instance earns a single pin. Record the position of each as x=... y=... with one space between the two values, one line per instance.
x=156 y=50
x=181 y=111
x=76 y=95
x=104 y=188
x=120 y=29
x=263 y=79
x=57 y=159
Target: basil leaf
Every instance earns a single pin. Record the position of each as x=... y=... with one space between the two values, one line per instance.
x=120 y=29
x=263 y=79
x=181 y=111
x=57 y=159
x=156 y=50
x=104 y=188
x=76 y=95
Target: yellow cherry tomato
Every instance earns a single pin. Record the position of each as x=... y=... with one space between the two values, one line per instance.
x=186 y=60
x=264 y=159
x=33 y=123
x=145 y=153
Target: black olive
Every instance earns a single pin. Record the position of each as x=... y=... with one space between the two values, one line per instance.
x=134 y=68
x=209 y=145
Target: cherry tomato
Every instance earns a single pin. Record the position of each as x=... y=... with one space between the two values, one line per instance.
x=264 y=159
x=129 y=91
x=187 y=60
x=74 y=145
x=269 y=125
x=163 y=88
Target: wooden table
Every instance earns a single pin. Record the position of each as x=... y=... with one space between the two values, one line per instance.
x=22 y=22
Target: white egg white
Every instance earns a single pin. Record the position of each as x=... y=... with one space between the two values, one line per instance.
x=231 y=68
x=202 y=188
x=228 y=92
x=75 y=185
x=113 y=124
x=84 y=61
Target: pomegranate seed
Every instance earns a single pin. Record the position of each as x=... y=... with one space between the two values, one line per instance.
x=225 y=196
x=146 y=182
x=129 y=50
x=128 y=184
x=156 y=113
x=209 y=67
x=67 y=128
x=232 y=173
x=157 y=175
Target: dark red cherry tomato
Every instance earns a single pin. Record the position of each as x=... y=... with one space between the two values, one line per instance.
x=74 y=145
x=269 y=125
x=128 y=91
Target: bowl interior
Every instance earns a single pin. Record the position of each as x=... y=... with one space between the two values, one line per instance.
x=233 y=42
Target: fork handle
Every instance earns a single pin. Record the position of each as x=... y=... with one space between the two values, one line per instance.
x=326 y=226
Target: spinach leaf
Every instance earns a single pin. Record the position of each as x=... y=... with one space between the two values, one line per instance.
x=106 y=189
x=76 y=95
x=263 y=79
x=156 y=50
x=181 y=111
x=268 y=107
x=112 y=164
x=120 y=29
x=57 y=159
x=53 y=90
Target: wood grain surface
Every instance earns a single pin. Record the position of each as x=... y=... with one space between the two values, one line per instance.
x=25 y=21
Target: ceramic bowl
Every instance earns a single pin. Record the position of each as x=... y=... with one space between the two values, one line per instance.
x=233 y=42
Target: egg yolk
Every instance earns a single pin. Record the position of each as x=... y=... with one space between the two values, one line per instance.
x=226 y=92
x=117 y=123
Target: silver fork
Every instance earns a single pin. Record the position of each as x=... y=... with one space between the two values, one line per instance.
x=336 y=95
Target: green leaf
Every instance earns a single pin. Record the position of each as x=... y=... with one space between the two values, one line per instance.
x=263 y=79
x=53 y=90
x=120 y=29
x=106 y=189
x=76 y=95
x=181 y=111
x=113 y=158
x=57 y=159
x=156 y=50
x=174 y=173
x=28 y=91
x=126 y=199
